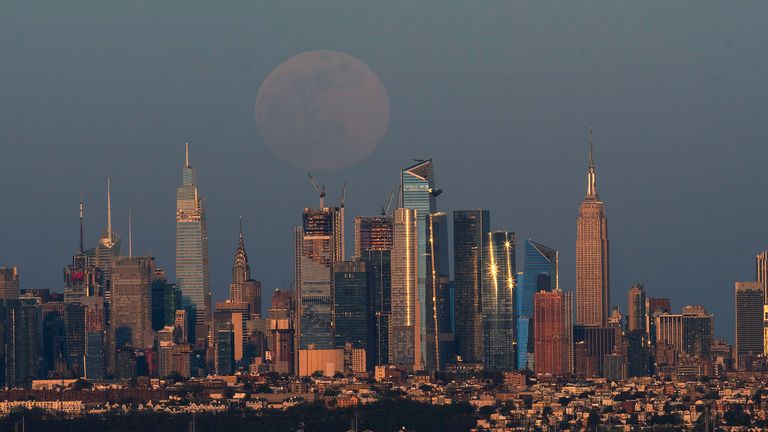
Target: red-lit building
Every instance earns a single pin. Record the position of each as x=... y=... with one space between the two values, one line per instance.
x=551 y=332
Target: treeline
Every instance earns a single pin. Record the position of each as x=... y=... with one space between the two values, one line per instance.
x=383 y=416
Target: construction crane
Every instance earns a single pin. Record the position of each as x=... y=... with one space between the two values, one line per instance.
x=320 y=188
x=385 y=207
x=343 y=195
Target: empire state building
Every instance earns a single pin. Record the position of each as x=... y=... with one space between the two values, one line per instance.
x=592 y=290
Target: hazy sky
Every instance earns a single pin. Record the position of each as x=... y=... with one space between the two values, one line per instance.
x=500 y=94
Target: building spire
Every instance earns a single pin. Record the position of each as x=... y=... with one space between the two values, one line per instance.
x=186 y=155
x=241 y=228
x=81 y=228
x=591 y=175
x=109 y=213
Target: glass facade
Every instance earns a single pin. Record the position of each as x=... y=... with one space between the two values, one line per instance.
x=193 y=279
x=351 y=304
x=470 y=237
x=498 y=302
x=404 y=324
x=378 y=264
x=418 y=193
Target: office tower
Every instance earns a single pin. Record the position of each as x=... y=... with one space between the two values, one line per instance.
x=638 y=354
x=166 y=299
x=81 y=278
x=749 y=322
x=439 y=337
x=243 y=289
x=373 y=245
x=419 y=193
x=497 y=295
x=470 y=237
x=592 y=345
x=131 y=309
x=636 y=320
x=697 y=332
x=404 y=325
x=74 y=324
x=182 y=323
x=281 y=329
x=540 y=274
x=20 y=322
x=9 y=283
x=372 y=233
x=105 y=252
x=192 y=275
x=653 y=307
x=351 y=306
x=551 y=332
x=95 y=337
x=592 y=275
x=224 y=348
x=319 y=246
x=669 y=334
x=54 y=342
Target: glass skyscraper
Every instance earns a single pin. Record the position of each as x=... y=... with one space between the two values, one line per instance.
x=418 y=193
x=498 y=302
x=470 y=237
x=193 y=279
x=404 y=324
x=540 y=274
x=351 y=304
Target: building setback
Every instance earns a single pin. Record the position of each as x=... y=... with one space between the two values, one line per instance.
x=192 y=277
x=592 y=275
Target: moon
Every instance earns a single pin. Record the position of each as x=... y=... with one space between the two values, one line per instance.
x=322 y=110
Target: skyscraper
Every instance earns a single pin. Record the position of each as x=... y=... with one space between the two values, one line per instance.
x=552 y=332
x=131 y=308
x=20 y=322
x=636 y=309
x=318 y=247
x=697 y=332
x=9 y=283
x=373 y=244
x=419 y=193
x=351 y=305
x=165 y=300
x=281 y=327
x=592 y=275
x=470 y=237
x=372 y=233
x=498 y=302
x=761 y=266
x=404 y=324
x=243 y=289
x=192 y=277
x=439 y=339
x=105 y=252
x=749 y=322
x=81 y=278
x=540 y=274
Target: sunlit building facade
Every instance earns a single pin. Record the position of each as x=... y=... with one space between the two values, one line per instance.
x=592 y=275
x=540 y=274
x=498 y=302
x=192 y=277
x=404 y=324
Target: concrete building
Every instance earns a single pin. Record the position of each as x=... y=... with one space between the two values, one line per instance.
x=749 y=322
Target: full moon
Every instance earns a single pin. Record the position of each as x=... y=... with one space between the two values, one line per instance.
x=322 y=110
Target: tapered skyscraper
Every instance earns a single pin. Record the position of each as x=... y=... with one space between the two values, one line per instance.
x=243 y=289
x=192 y=252
x=405 y=328
x=592 y=290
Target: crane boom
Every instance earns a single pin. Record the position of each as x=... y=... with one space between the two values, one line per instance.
x=320 y=188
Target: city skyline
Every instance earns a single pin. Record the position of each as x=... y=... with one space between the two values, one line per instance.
x=674 y=98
